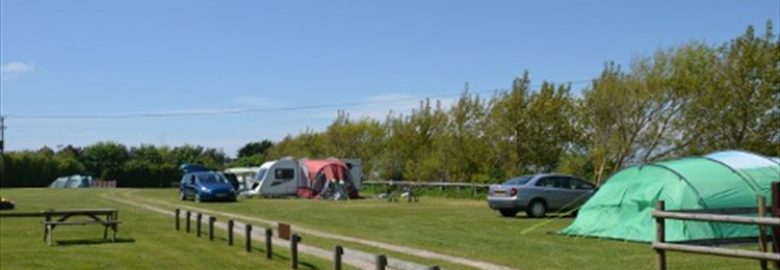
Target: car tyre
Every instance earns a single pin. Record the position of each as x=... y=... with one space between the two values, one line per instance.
x=182 y=196
x=508 y=212
x=197 y=198
x=537 y=209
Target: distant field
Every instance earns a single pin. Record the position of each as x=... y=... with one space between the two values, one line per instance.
x=465 y=228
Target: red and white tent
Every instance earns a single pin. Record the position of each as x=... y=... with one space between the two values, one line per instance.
x=326 y=179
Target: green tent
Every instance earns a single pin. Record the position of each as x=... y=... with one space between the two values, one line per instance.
x=621 y=209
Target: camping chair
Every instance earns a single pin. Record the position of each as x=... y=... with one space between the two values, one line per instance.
x=392 y=192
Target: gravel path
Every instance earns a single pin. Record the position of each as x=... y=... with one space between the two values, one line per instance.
x=259 y=234
x=396 y=248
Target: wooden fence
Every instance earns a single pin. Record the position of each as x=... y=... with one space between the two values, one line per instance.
x=474 y=188
x=380 y=261
x=763 y=255
x=427 y=184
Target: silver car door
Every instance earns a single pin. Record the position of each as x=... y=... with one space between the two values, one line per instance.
x=552 y=193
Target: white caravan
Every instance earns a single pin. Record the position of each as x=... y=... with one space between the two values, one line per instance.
x=283 y=177
x=245 y=176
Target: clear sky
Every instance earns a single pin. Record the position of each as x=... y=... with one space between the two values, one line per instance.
x=128 y=57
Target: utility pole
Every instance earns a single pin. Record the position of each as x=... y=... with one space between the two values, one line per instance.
x=2 y=135
x=2 y=149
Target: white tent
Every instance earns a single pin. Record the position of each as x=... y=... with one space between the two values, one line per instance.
x=73 y=181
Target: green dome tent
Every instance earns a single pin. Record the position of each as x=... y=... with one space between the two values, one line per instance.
x=622 y=207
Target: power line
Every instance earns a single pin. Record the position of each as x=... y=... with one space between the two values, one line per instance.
x=241 y=111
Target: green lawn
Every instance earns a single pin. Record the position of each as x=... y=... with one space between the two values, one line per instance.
x=461 y=227
x=147 y=240
x=455 y=227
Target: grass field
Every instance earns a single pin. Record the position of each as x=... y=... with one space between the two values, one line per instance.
x=464 y=228
x=146 y=240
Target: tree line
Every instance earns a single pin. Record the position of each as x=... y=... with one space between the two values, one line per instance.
x=687 y=100
x=141 y=166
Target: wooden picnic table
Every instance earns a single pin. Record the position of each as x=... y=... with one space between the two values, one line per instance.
x=107 y=217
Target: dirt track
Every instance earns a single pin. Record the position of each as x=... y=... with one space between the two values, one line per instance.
x=321 y=252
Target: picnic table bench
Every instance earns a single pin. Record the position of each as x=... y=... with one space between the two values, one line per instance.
x=107 y=217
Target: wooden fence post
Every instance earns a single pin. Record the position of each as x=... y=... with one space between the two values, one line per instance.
x=660 y=236
x=284 y=230
x=230 y=232
x=178 y=212
x=269 y=235
x=211 y=227
x=248 y=236
x=189 y=215
x=762 y=229
x=294 y=239
x=338 y=251
x=776 y=213
x=381 y=262
x=198 y=219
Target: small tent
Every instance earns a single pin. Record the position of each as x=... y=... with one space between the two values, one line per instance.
x=622 y=207
x=73 y=181
x=326 y=179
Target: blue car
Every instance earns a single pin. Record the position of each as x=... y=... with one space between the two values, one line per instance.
x=204 y=185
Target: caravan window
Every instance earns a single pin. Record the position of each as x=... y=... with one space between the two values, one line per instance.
x=284 y=174
x=261 y=174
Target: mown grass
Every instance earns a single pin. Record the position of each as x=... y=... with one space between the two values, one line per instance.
x=459 y=227
x=147 y=240
x=456 y=227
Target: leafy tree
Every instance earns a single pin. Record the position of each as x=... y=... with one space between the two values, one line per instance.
x=70 y=151
x=104 y=159
x=508 y=126
x=147 y=154
x=185 y=154
x=308 y=143
x=739 y=107
x=254 y=148
x=463 y=145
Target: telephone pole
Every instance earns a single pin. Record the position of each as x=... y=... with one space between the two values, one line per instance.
x=2 y=149
x=2 y=135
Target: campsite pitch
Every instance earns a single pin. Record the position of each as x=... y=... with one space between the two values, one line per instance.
x=462 y=228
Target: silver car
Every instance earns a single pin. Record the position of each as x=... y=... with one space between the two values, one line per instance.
x=538 y=194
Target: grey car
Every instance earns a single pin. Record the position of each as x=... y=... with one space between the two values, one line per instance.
x=539 y=194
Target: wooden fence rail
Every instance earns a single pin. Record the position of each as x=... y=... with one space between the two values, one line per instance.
x=294 y=240
x=660 y=214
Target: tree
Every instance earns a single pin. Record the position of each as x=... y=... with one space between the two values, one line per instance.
x=104 y=159
x=363 y=139
x=185 y=154
x=70 y=151
x=466 y=151
x=740 y=106
x=507 y=128
x=254 y=148
x=147 y=154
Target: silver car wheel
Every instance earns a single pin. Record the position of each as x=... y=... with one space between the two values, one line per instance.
x=537 y=209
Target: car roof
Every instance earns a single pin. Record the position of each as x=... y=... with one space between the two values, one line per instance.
x=541 y=175
x=202 y=173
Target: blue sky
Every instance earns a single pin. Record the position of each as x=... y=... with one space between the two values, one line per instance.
x=124 y=57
